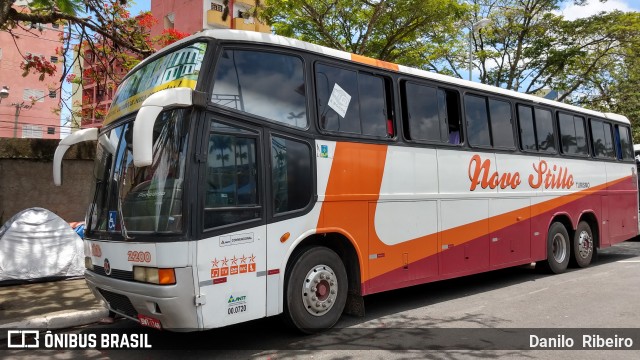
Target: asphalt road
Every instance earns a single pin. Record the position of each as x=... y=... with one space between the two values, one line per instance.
x=476 y=312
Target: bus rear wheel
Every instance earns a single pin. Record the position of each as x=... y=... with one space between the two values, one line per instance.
x=316 y=290
x=582 y=250
x=558 y=253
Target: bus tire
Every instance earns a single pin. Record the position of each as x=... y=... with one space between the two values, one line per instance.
x=558 y=249
x=582 y=249
x=316 y=290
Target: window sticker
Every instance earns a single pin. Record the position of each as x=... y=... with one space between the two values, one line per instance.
x=113 y=216
x=339 y=100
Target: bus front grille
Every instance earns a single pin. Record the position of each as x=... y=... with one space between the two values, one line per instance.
x=115 y=273
x=119 y=302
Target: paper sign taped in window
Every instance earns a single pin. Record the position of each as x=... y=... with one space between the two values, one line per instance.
x=339 y=100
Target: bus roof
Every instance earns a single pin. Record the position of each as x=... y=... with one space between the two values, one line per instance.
x=263 y=38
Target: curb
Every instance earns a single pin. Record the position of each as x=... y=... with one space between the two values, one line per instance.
x=57 y=320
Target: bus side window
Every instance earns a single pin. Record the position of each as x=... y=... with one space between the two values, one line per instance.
x=601 y=139
x=355 y=102
x=291 y=174
x=544 y=131
x=625 y=144
x=477 y=118
x=232 y=194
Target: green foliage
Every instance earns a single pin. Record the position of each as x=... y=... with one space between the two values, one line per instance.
x=411 y=32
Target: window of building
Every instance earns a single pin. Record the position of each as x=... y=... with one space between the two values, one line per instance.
x=54 y=59
x=217 y=7
x=573 y=139
x=601 y=139
x=32 y=131
x=51 y=130
x=32 y=94
x=53 y=94
x=55 y=25
x=265 y=84
x=353 y=102
x=232 y=191
x=291 y=174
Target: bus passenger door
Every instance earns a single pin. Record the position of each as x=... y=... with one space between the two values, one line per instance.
x=231 y=255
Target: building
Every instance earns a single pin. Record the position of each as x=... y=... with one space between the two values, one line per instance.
x=182 y=15
x=93 y=97
x=97 y=89
x=29 y=109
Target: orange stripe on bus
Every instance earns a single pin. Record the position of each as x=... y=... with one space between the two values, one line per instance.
x=351 y=197
x=374 y=62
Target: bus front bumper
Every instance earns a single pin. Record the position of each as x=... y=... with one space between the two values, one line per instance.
x=172 y=305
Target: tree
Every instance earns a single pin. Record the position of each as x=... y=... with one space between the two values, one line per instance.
x=411 y=32
x=105 y=27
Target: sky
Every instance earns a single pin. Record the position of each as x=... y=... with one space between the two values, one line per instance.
x=572 y=12
x=568 y=9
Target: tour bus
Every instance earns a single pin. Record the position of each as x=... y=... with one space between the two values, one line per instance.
x=240 y=175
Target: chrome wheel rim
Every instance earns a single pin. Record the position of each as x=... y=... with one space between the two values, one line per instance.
x=559 y=248
x=585 y=244
x=319 y=290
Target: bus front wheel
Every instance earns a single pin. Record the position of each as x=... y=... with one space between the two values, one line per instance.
x=558 y=249
x=582 y=250
x=316 y=290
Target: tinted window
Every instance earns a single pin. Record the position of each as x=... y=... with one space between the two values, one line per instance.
x=422 y=112
x=477 y=120
x=264 y=84
x=291 y=178
x=501 y=124
x=352 y=102
x=568 y=139
x=625 y=142
x=581 y=135
x=328 y=81
x=608 y=140
x=601 y=139
x=544 y=131
x=232 y=176
x=527 y=130
x=372 y=105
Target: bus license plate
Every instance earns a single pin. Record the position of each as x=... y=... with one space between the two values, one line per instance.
x=150 y=322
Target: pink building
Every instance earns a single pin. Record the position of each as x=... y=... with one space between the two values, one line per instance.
x=28 y=110
x=190 y=16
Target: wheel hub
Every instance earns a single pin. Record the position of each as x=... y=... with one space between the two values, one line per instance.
x=559 y=248
x=319 y=290
x=585 y=245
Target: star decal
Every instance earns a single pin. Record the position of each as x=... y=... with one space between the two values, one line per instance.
x=215 y=262
x=234 y=261
x=225 y=262
x=252 y=258
x=243 y=259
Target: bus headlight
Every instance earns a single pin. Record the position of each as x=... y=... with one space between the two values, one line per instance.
x=88 y=263
x=154 y=275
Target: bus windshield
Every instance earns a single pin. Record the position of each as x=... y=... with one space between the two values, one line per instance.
x=136 y=200
x=179 y=68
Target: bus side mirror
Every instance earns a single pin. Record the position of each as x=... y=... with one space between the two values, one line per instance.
x=77 y=137
x=146 y=119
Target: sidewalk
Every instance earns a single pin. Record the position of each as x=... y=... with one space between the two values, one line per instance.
x=48 y=305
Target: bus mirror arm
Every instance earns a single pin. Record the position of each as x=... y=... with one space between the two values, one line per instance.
x=146 y=118
x=77 y=137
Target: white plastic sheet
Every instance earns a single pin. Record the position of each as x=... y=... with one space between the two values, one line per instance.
x=36 y=243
